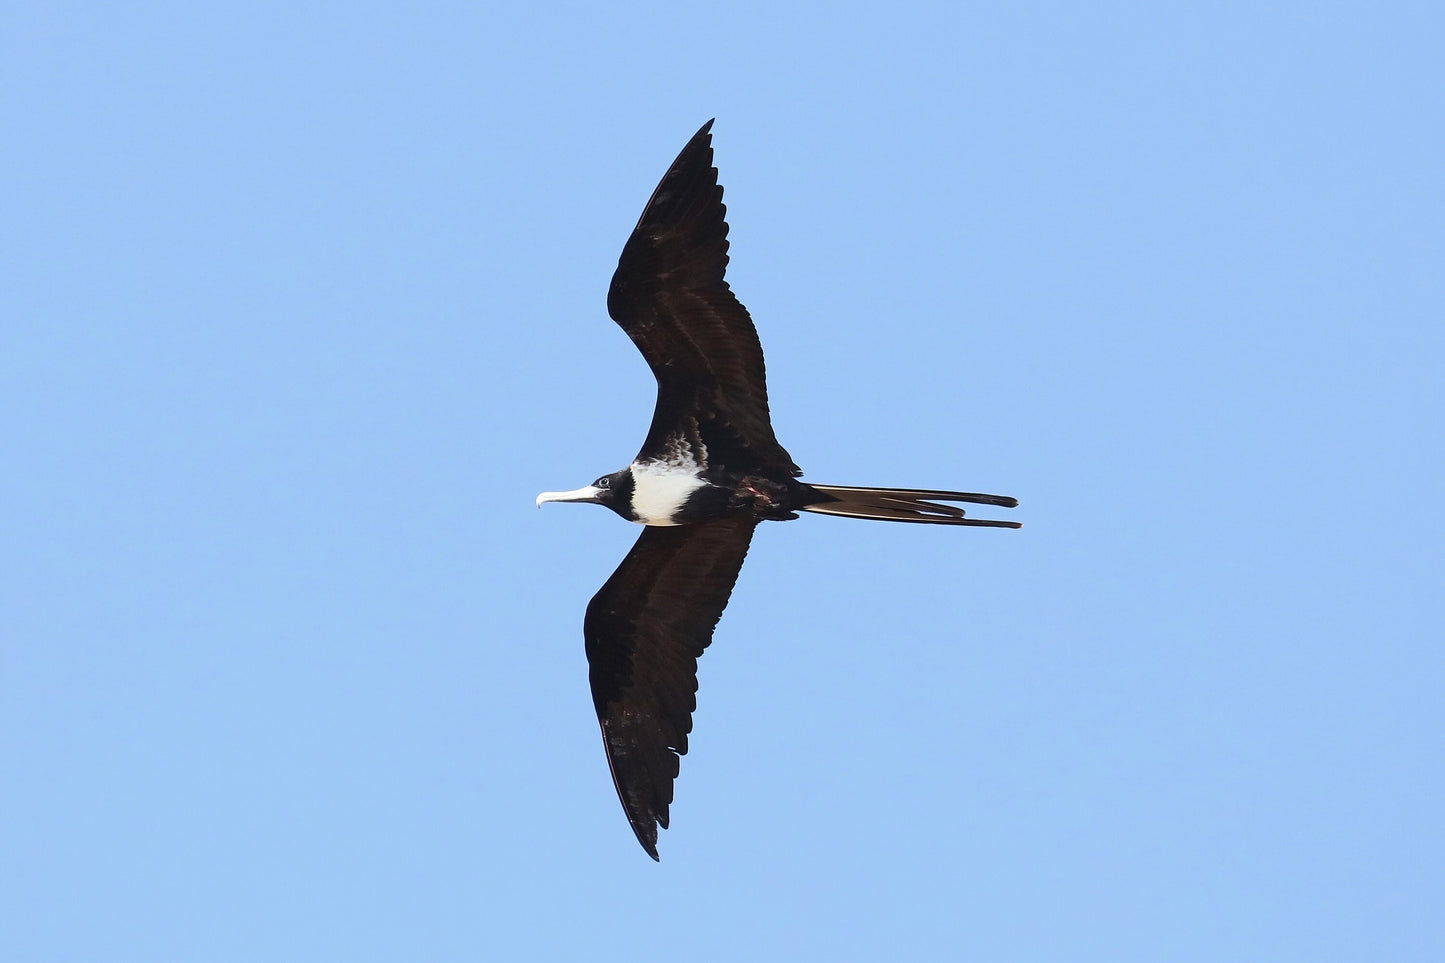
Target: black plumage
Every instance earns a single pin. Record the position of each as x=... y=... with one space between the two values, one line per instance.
x=645 y=631
x=669 y=295
x=710 y=469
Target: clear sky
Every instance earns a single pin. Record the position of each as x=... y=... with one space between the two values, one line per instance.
x=301 y=305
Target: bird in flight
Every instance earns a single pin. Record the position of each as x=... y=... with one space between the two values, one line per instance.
x=709 y=471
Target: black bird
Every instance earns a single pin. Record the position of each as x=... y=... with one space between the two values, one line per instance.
x=709 y=471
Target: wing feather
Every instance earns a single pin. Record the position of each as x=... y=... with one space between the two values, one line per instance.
x=670 y=296
x=645 y=630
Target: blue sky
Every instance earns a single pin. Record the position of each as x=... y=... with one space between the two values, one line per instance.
x=303 y=304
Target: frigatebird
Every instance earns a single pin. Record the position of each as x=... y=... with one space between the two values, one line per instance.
x=709 y=471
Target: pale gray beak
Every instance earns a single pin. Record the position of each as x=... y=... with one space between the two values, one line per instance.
x=587 y=493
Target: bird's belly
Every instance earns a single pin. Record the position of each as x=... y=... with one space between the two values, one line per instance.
x=660 y=489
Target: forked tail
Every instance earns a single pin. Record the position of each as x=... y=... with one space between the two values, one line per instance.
x=907 y=505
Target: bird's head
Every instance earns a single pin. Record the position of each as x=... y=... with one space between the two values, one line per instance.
x=613 y=491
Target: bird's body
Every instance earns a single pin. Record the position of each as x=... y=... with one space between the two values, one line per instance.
x=710 y=470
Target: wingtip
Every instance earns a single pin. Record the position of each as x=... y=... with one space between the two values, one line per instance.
x=647 y=836
x=703 y=133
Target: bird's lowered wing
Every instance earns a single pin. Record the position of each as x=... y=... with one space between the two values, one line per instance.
x=670 y=297
x=645 y=630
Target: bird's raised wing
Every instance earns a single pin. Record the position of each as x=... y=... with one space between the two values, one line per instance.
x=670 y=297
x=645 y=630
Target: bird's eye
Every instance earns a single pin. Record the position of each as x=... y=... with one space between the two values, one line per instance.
x=603 y=482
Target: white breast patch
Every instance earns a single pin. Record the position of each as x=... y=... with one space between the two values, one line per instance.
x=659 y=489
